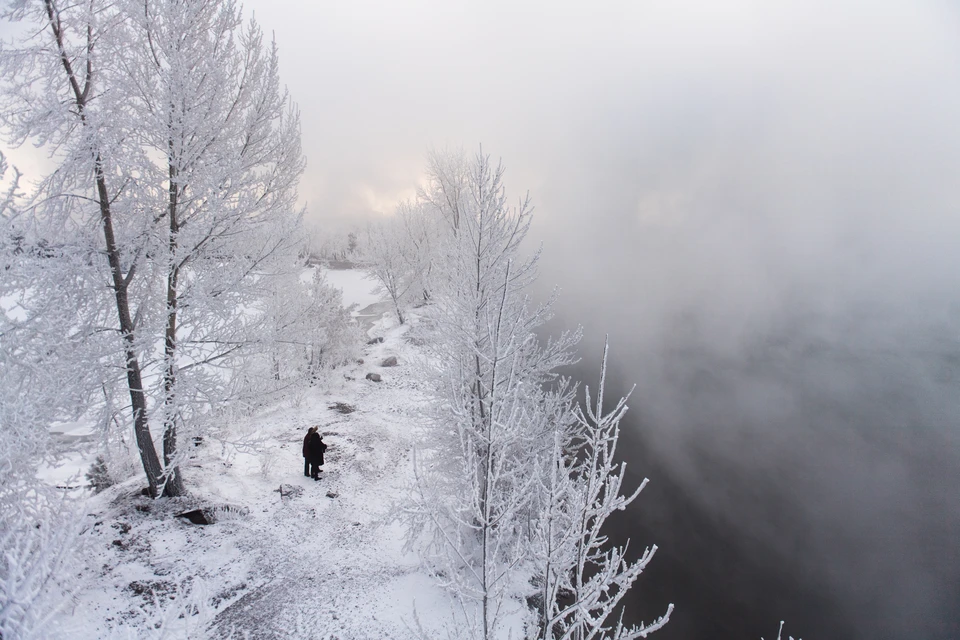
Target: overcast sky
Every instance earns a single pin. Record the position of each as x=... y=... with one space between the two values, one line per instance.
x=549 y=86
x=553 y=86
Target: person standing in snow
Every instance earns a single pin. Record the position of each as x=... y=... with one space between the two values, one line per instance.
x=315 y=449
x=306 y=451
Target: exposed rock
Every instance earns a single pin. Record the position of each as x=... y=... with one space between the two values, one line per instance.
x=359 y=360
x=376 y=340
x=332 y=494
x=375 y=377
x=389 y=362
x=197 y=516
x=214 y=514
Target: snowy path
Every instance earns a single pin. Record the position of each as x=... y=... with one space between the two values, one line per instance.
x=307 y=567
x=338 y=569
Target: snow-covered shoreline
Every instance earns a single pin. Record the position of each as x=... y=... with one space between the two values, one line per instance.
x=326 y=564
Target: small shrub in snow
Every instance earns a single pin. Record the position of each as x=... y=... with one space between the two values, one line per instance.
x=171 y=611
x=99 y=476
x=227 y=512
x=289 y=491
x=215 y=514
x=342 y=407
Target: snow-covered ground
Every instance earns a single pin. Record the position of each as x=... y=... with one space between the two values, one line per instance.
x=327 y=563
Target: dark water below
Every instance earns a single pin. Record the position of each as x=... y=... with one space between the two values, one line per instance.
x=848 y=529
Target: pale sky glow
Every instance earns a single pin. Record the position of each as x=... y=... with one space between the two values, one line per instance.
x=548 y=86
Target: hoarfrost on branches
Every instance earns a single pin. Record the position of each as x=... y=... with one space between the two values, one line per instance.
x=514 y=480
x=400 y=254
x=177 y=158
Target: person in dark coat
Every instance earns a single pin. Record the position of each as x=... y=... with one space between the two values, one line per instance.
x=315 y=450
x=306 y=453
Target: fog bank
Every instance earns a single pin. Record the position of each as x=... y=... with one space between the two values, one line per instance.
x=769 y=235
x=757 y=201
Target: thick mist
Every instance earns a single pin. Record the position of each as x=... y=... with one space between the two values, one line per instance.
x=770 y=239
x=758 y=201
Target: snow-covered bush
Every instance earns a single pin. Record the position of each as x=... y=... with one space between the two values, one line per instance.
x=780 y=633
x=185 y=614
x=583 y=578
x=305 y=334
x=341 y=245
x=39 y=537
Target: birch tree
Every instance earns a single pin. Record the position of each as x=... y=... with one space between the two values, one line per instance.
x=58 y=93
x=210 y=106
x=474 y=484
x=176 y=145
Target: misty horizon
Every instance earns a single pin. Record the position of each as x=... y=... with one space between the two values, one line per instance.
x=757 y=203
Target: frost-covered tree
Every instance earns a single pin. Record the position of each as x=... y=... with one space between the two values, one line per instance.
x=225 y=143
x=398 y=250
x=475 y=486
x=58 y=92
x=307 y=331
x=177 y=161
x=38 y=530
x=516 y=480
x=582 y=577
x=340 y=245
x=39 y=537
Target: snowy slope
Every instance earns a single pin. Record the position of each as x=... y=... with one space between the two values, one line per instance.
x=326 y=564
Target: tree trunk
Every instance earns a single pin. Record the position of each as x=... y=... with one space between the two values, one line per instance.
x=174 y=484
x=138 y=401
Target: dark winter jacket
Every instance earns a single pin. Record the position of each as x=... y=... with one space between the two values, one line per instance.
x=306 y=451
x=315 y=448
